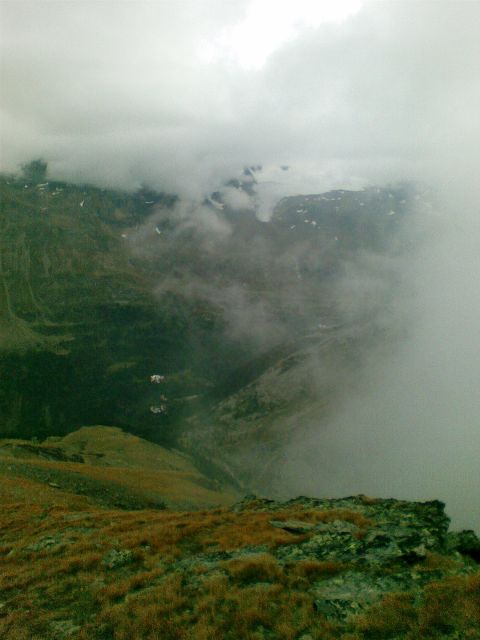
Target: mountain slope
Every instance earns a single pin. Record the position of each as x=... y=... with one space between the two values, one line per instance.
x=192 y=325
x=328 y=246
x=81 y=331
x=112 y=468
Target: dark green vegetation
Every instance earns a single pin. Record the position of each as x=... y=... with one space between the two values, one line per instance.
x=80 y=329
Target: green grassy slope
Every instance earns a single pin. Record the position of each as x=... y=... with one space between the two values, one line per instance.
x=80 y=329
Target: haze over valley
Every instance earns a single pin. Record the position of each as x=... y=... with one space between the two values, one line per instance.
x=239 y=257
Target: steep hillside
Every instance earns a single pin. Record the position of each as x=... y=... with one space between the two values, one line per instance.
x=81 y=332
x=326 y=248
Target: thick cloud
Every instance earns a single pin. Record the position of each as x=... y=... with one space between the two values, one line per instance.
x=120 y=92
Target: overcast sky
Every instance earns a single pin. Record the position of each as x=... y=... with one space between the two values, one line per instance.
x=182 y=94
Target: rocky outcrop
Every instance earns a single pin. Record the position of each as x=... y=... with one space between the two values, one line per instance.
x=355 y=568
x=381 y=547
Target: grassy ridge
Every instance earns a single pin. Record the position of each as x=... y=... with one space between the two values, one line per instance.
x=113 y=469
x=75 y=565
x=70 y=569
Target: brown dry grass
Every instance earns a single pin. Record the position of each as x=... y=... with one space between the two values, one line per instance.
x=256 y=568
x=175 y=488
x=449 y=606
x=394 y=614
x=314 y=569
x=453 y=603
x=70 y=576
x=435 y=562
x=217 y=609
x=248 y=597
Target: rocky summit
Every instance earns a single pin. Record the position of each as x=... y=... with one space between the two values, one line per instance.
x=354 y=568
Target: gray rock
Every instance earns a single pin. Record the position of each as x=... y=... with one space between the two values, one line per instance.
x=44 y=543
x=465 y=542
x=343 y=595
x=338 y=526
x=64 y=628
x=293 y=526
x=118 y=558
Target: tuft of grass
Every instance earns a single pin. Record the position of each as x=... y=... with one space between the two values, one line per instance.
x=450 y=605
x=76 y=563
x=436 y=562
x=313 y=569
x=119 y=589
x=259 y=568
x=394 y=614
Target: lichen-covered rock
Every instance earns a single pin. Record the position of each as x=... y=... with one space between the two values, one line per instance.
x=46 y=542
x=293 y=526
x=118 y=558
x=465 y=542
x=387 y=546
x=64 y=629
